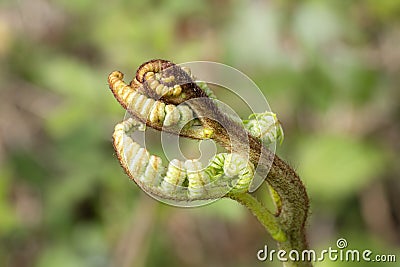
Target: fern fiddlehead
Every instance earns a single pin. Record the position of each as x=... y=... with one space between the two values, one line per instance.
x=225 y=171
x=159 y=96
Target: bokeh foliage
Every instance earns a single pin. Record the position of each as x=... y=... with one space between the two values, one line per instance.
x=329 y=69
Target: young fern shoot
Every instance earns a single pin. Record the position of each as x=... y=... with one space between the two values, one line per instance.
x=168 y=98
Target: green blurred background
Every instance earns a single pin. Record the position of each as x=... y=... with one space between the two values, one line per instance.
x=329 y=69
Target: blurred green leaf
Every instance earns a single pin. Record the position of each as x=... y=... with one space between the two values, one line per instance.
x=8 y=220
x=60 y=255
x=316 y=24
x=335 y=167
